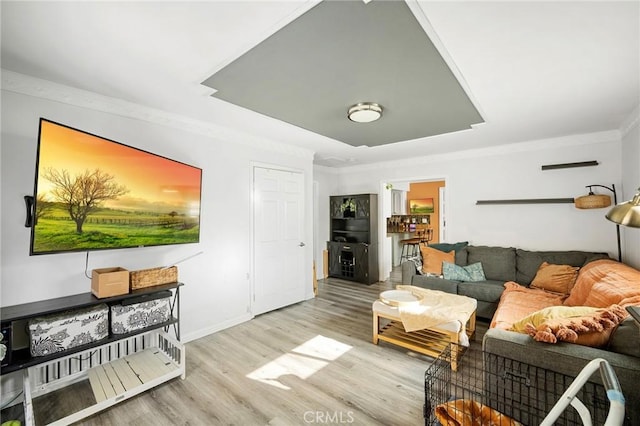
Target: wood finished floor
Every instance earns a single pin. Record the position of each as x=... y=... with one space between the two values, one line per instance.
x=315 y=362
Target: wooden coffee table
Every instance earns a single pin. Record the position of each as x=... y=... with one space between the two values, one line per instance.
x=430 y=341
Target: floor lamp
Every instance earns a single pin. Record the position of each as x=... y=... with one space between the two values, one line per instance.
x=627 y=213
x=598 y=201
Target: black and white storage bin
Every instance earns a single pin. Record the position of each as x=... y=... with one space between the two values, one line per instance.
x=138 y=313
x=66 y=330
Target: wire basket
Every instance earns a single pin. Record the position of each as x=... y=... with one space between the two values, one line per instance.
x=514 y=393
x=152 y=277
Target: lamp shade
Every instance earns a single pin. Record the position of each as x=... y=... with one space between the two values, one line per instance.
x=627 y=213
x=592 y=201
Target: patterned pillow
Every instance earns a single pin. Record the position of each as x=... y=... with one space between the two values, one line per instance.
x=473 y=272
x=417 y=260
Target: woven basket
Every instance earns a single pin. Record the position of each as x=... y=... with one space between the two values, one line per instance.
x=593 y=201
x=152 y=277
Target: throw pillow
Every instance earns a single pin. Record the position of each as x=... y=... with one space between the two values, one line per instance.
x=417 y=260
x=473 y=272
x=555 y=278
x=447 y=247
x=432 y=259
x=592 y=329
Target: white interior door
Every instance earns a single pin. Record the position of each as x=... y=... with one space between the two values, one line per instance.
x=279 y=246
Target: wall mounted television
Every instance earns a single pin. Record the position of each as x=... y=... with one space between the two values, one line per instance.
x=92 y=193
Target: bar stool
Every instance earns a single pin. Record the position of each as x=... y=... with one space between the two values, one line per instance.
x=410 y=248
x=426 y=235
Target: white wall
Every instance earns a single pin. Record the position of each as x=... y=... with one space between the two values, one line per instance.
x=514 y=172
x=327 y=181
x=631 y=185
x=217 y=283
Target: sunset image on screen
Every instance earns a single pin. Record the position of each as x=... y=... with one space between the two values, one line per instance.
x=422 y=206
x=93 y=193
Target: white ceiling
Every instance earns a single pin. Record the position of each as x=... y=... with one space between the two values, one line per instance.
x=535 y=69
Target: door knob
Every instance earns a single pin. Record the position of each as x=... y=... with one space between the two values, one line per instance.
x=301 y=244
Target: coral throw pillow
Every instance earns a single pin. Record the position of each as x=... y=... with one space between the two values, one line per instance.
x=432 y=259
x=555 y=278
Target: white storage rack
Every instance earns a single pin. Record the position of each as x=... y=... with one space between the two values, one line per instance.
x=116 y=368
x=116 y=371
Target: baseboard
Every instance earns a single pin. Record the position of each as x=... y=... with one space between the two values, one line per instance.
x=185 y=338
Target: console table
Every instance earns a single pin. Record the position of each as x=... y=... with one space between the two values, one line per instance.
x=117 y=367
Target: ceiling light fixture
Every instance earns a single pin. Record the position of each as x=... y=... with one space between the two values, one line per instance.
x=365 y=112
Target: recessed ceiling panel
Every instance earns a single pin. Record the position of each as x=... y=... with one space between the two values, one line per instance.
x=340 y=53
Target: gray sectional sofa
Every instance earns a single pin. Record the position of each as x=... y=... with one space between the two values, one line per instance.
x=500 y=264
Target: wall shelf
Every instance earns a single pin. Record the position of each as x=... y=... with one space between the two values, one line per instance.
x=569 y=165
x=527 y=201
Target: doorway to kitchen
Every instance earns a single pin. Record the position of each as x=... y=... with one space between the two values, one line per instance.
x=417 y=196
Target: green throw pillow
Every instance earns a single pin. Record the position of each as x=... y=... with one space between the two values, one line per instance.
x=473 y=272
x=447 y=247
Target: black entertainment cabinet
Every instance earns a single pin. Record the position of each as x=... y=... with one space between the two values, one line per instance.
x=353 y=248
x=160 y=354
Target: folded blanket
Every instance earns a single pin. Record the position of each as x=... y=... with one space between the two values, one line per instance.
x=601 y=321
x=467 y=412
x=435 y=308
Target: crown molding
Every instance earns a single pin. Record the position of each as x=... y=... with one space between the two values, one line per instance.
x=45 y=89
x=529 y=146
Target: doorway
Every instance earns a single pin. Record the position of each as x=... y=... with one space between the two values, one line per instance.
x=278 y=239
x=419 y=188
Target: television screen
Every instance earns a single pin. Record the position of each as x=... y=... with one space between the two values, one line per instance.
x=92 y=193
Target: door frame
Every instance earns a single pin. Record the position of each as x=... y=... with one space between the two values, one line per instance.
x=252 y=249
x=442 y=213
x=385 y=261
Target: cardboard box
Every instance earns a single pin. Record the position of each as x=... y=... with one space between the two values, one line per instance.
x=107 y=282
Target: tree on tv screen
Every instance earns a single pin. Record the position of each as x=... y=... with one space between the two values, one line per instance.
x=83 y=193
